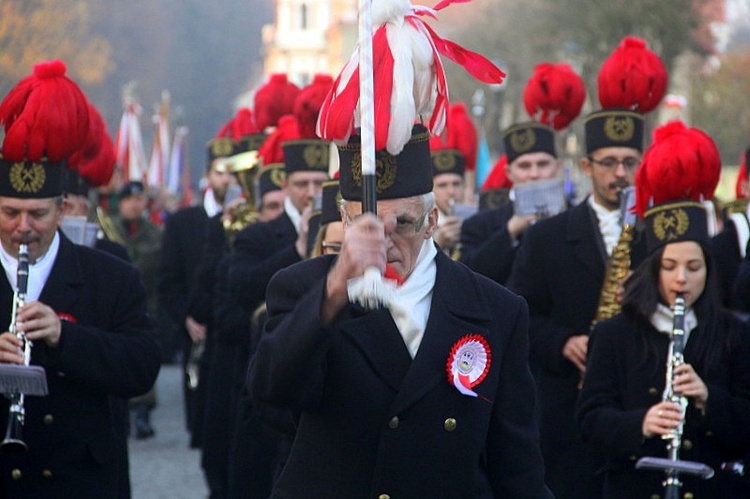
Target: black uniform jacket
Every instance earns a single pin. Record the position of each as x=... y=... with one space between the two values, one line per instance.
x=726 y=250
x=560 y=269
x=626 y=375
x=260 y=250
x=374 y=421
x=107 y=347
x=486 y=245
x=182 y=243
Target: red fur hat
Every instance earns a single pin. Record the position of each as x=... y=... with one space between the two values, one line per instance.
x=632 y=77
x=308 y=103
x=740 y=186
x=45 y=116
x=96 y=160
x=682 y=164
x=273 y=100
x=554 y=95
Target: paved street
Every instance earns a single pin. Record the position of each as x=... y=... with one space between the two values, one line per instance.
x=164 y=467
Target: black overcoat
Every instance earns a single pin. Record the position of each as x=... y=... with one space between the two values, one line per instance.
x=375 y=422
x=107 y=348
x=486 y=245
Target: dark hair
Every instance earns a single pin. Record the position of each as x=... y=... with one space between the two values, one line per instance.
x=642 y=296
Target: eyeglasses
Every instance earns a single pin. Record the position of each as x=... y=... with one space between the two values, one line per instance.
x=405 y=226
x=610 y=163
x=335 y=247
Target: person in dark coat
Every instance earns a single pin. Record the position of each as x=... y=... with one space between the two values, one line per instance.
x=85 y=310
x=624 y=408
x=490 y=239
x=182 y=245
x=430 y=398
x=560 y=270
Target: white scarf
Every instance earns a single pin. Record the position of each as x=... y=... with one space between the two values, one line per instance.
x=210 y=204
x=663 y=320
x=38 y=271
x=609 y=224
x=411 y=305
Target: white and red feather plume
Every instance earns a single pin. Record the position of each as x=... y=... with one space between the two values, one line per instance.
x=45 y=115
x=682 y=163
x=409 y=78
x=632 y=77
x=554 y=95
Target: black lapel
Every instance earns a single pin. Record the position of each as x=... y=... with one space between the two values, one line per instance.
x=583 y=234
x=60 y=291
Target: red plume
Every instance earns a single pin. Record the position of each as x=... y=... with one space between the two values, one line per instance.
x=741 y=185
x=45 y=115
x=274 y=100
x=95 y=161
x=554 y=95
x=498 y=177
x=460 y=134
x=633 y=77
x=682 y=163
x=271 y=150
x=308 y=103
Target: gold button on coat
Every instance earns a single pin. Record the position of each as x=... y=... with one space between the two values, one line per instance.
x=687 y=444
x=16 y=474
x=48 y=419
x=384 y=496
x=450 y=424
x=393 y=423
x=688 y=495
x=653 y=391
x=46 y=473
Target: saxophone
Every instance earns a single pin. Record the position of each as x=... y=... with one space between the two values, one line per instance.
x=245 y=167
x=618 y=265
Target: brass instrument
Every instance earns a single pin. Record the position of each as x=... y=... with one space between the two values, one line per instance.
x=618 y=265
x=13 y=441
x=673 y=466
x=108 y=226
x=245 y=168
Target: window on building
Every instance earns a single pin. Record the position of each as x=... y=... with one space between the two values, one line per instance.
x=303 y=16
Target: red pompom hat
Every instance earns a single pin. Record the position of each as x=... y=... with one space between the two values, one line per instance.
x=632 y=82
x=455 y=151
x=46 y=120
x=679 y=170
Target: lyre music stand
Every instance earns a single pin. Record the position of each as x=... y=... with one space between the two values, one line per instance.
x=29 y=380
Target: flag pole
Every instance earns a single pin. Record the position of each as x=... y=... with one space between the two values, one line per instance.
x=367 y=107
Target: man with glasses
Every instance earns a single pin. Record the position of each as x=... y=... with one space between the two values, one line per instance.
x=430 y=397
x=559 y=269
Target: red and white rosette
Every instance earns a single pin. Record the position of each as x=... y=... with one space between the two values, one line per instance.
x=468 y=363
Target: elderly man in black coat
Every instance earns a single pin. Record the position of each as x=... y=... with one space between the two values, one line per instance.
x=432 y=397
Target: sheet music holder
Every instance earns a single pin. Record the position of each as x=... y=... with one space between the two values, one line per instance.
x=682 y=467
x=79 y=230
x=543 y=198
x=29 y=380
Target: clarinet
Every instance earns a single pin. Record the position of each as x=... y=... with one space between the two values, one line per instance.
x=13 y=441
x=675 y=358
x=673 y=466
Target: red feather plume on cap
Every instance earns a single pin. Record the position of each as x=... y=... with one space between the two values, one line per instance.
x=633 y=77
x=498 y=177
x=240 y=125
x=741 y=185
x=45 y=115
x=274 y=100
x=95 y=161
x=682 y=163
x=554 y=95
x=271 y=150
x=308 y=103
x=460 y=134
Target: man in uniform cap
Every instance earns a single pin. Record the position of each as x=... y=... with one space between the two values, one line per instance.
x=85 y=310
x=554 y=94
x=446 y=365
x=560 y=265
x=490 y=238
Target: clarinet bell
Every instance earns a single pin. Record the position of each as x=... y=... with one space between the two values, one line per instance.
x=13 y=443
